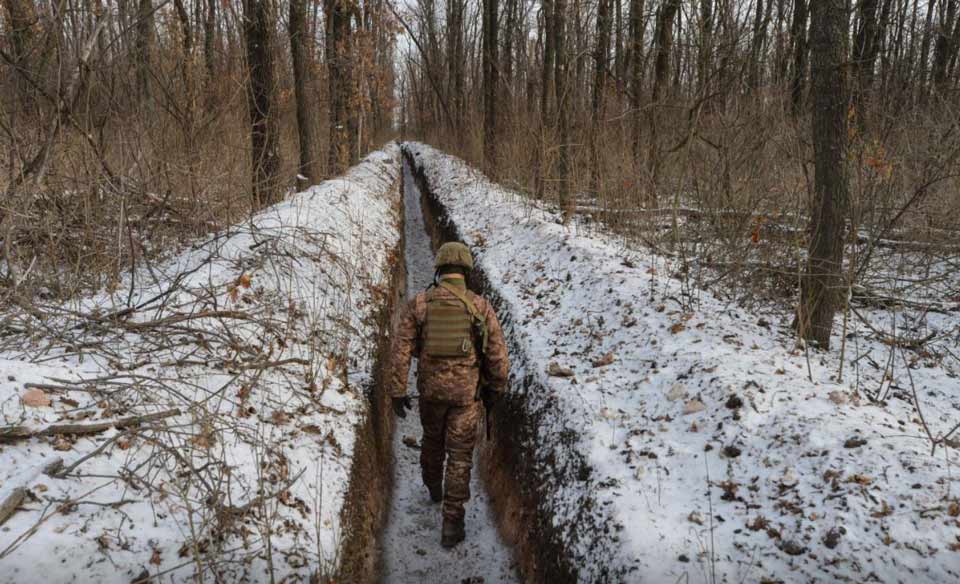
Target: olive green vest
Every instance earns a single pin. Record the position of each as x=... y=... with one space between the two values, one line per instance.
x=448 y=332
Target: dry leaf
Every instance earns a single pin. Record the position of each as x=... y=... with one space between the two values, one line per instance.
x=693 y=406
x=604 y=361
x=279 y=417
x=62 y=444
x=244 y=280
x=838 y=397
x=35 y=398
x=155 y=558
x=860 y=479
x=677 y=327
x=556 y=370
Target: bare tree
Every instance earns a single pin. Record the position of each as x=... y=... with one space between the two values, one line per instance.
x=944 y=48
x=567 y=204
x=343 y=122
x=637 y=30
x=258 y=27
x=601 y=56
x=821 y=285
x=145 y=42
x=490 y=81
x=798 y=34
x=301 y=51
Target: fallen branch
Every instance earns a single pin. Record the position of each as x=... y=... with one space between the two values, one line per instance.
x=9 y=433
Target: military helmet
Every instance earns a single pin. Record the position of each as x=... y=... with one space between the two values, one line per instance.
x=454 y=254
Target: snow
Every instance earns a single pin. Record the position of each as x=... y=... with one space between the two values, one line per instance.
x=264 y=337
x=411 y=543
x=711 y=447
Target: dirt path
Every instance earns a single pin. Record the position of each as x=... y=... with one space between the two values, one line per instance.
x=411 y=545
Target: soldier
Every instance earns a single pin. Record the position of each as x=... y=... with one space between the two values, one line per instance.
x=457 y=340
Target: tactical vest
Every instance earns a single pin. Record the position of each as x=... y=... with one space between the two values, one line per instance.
x=449 y=330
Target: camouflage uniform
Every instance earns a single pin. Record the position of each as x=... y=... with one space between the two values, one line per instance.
x=449 y=411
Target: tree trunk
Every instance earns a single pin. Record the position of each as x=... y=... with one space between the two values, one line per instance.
x=782 y=50
x=145 y=42
x=600 y=56
x=943 y=48
x=706 y=45
x=301 y=51
x=490 y=76
x=455 y=58
x=549 y=55
x=864 y=57
x=619 y=63
x=210 y=43
x=661 y=79
x=664 y=47
x=258 y=23
x=952 y=70
x=637 y=30
x=822 y=284
x=343 y=136
x=563 y=108
x=506 y=59
x=798 y=33
x=925 y=52
x=760 y=22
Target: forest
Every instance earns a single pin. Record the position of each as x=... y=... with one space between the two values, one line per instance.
x=213 y=213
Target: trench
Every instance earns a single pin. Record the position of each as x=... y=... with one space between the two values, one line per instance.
x=410 y=545
x=521 y=474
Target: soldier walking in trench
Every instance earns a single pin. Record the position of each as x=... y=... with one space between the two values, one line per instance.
x=457 y=340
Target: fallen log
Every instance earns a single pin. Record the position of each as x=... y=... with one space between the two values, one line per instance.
x=10 y=433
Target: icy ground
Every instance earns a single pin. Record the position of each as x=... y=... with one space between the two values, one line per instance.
x=411 y=544
x=687 y=439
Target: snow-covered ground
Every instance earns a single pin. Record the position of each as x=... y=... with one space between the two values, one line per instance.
x=679 y=442
x=411 y=542
x=255 y=348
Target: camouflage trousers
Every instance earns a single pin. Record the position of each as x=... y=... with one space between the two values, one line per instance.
x=449 y=431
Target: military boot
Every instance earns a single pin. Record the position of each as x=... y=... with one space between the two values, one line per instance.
x=436 y=493
x=453 y=533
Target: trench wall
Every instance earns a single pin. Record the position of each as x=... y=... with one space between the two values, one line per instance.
x=371 y=478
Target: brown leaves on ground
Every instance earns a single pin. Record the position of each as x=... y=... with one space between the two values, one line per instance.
x=557 y=370
x=35 y=398
x=62 y=444
x=604 y=361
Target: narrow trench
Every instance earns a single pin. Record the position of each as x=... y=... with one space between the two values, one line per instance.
x=411 y=549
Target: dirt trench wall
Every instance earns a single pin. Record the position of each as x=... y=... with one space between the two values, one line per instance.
x=508 y=463
x=371 y=478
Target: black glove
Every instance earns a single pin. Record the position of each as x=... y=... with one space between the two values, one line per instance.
x=401 y=405
x=490 y=397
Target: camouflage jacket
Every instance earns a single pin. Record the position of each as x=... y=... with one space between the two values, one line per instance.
x=449 y=380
